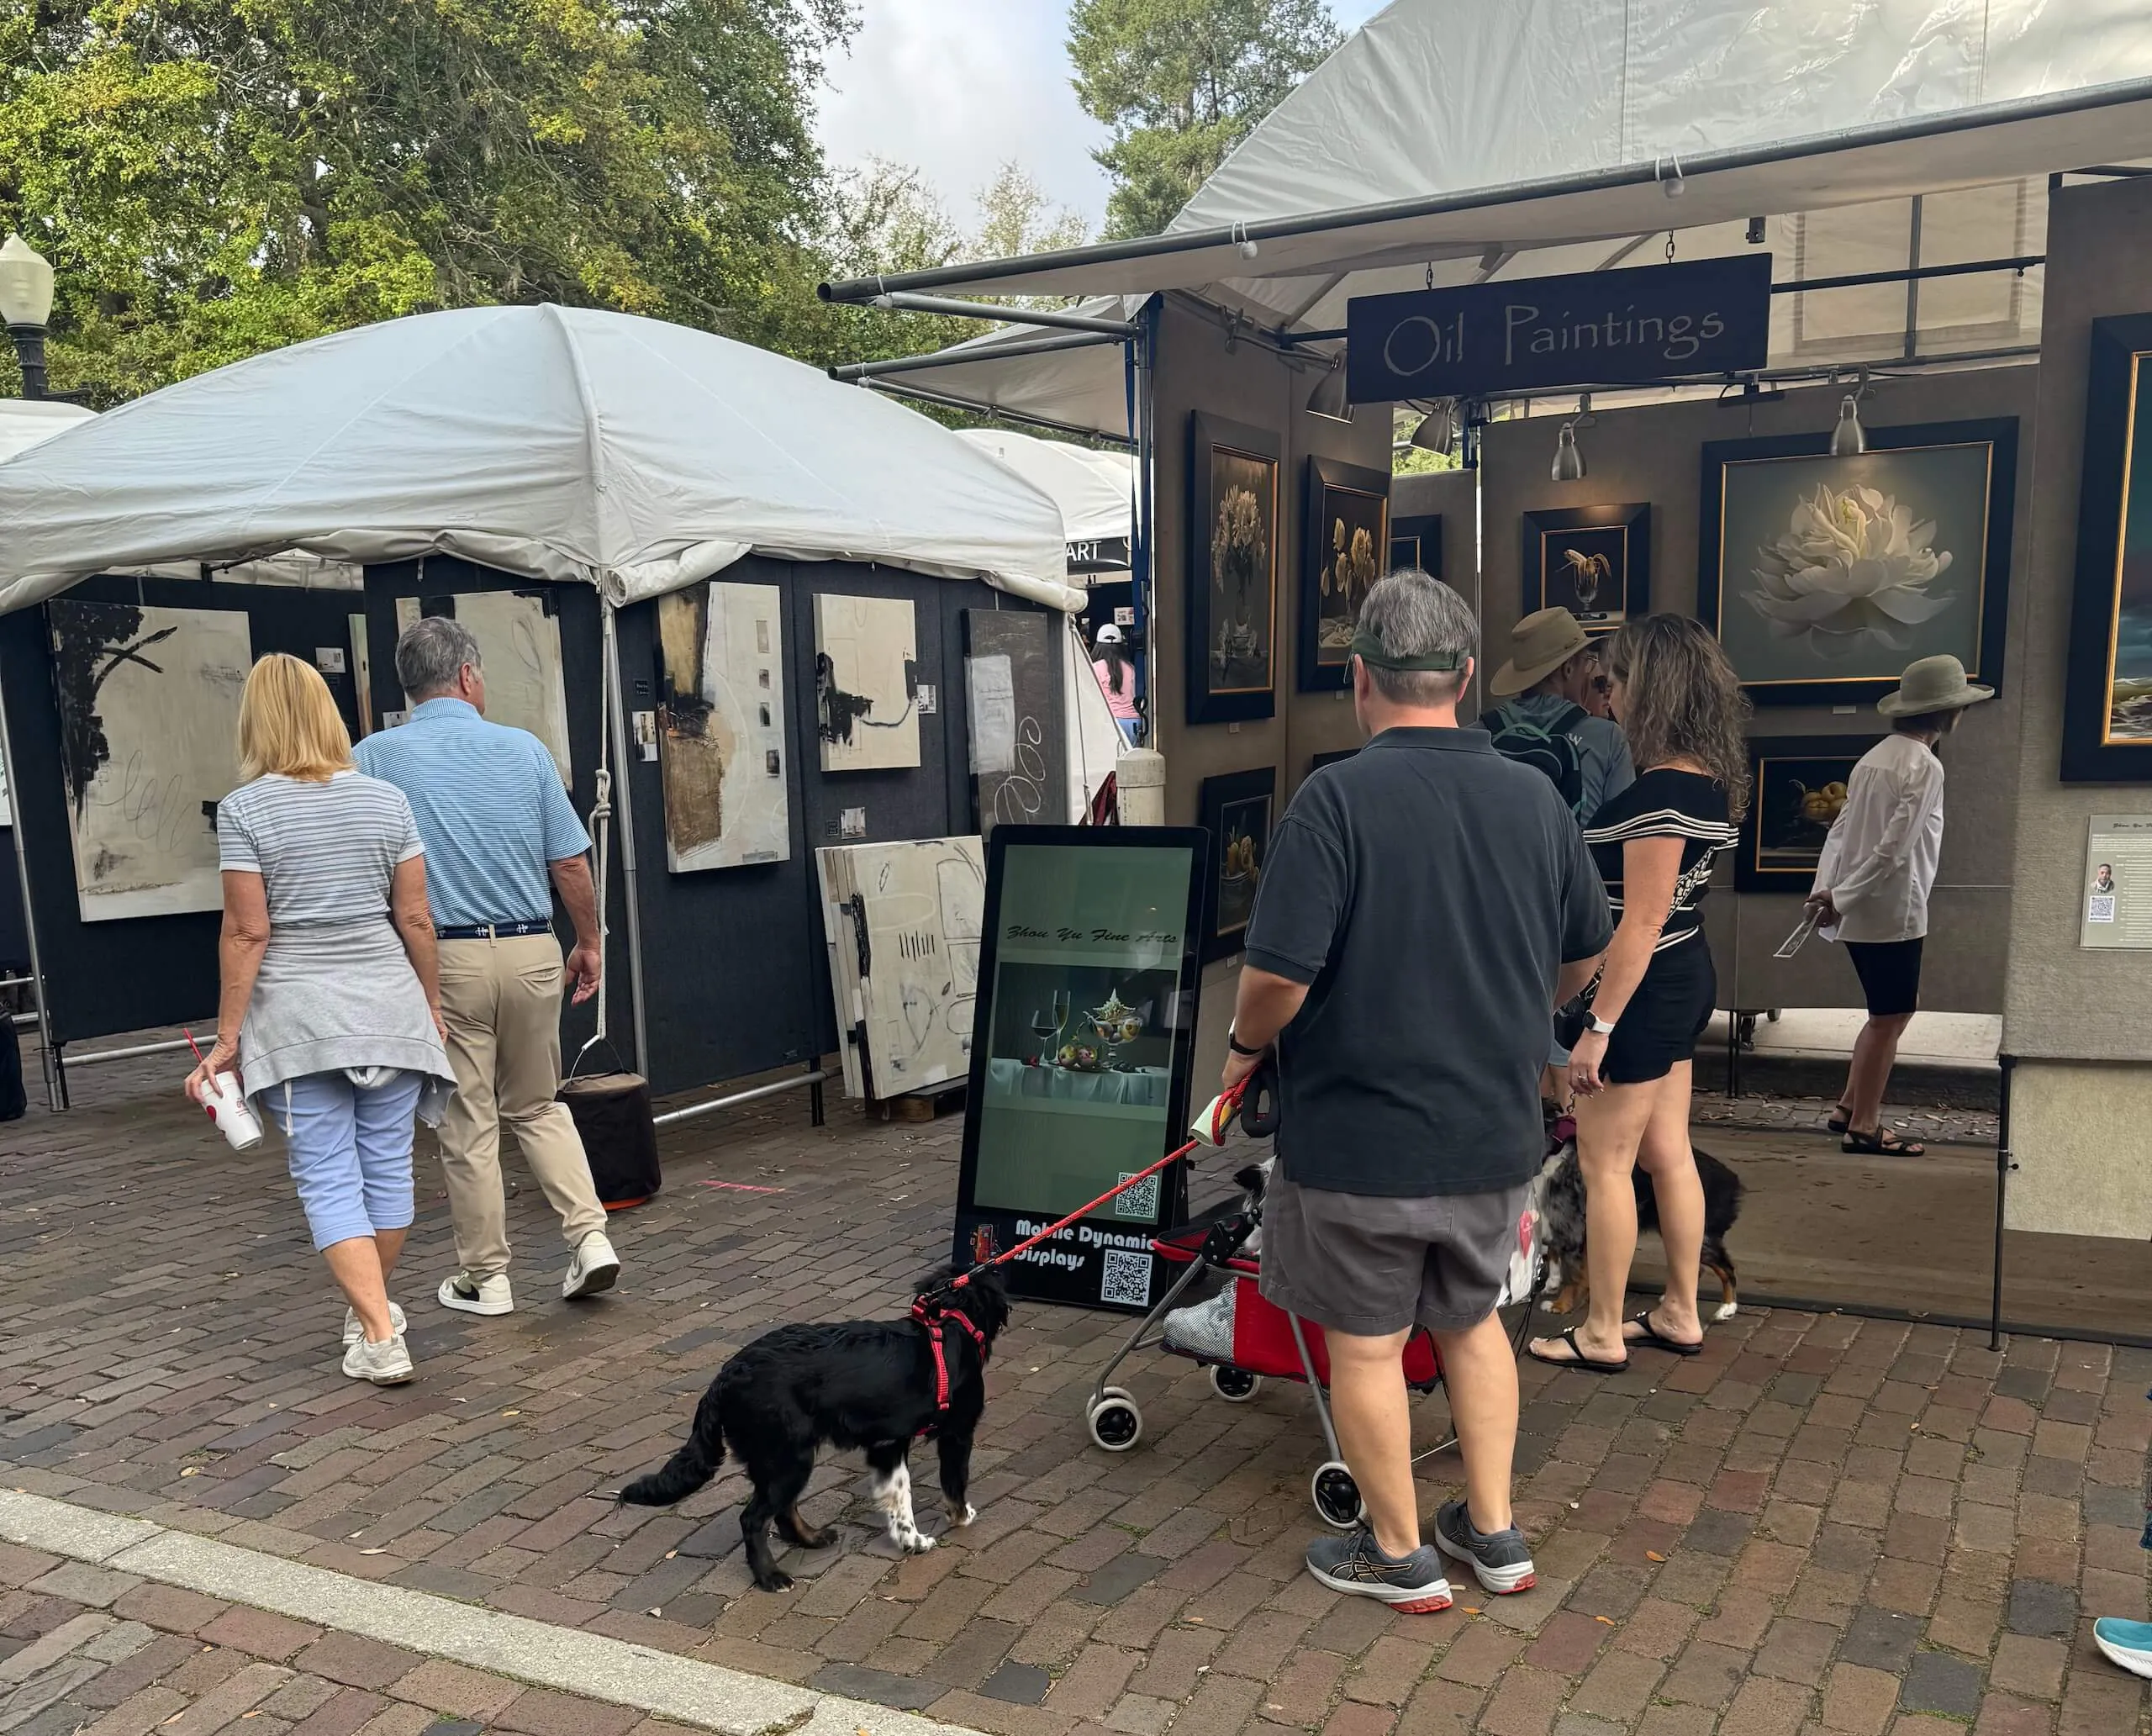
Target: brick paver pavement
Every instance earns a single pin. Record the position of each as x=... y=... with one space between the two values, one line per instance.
x=1823 y=1524
x=107 y=1653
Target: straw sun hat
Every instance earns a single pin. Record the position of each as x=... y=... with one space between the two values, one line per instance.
x=1936 y=683
x=1539 y=645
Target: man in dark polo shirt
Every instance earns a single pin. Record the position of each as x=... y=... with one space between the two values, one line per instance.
x=1425 y=905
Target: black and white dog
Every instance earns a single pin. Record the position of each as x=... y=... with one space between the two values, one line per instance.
x=1561 y=1194
x=870 y=1385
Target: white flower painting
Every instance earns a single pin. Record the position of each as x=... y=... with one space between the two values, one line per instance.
x=1852 y=568
x=1839 y=570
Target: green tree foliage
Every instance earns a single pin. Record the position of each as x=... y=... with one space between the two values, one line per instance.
x=1181 y=82
x=212 y=178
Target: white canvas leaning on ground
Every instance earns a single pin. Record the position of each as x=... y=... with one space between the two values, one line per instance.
x=149 y=709
x=520 y=647
x=921 y=905
x=721 y=727
x=866 y=682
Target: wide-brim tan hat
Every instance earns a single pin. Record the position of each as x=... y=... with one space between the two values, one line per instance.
x=1539 y=645
x=1936 y=683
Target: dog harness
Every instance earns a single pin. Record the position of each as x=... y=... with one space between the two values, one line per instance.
x=934 y=1316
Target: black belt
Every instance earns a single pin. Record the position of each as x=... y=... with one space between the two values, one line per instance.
x=492 y=930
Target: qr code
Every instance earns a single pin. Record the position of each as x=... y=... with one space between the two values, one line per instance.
x=1126 y=1279
x=2102 y=908
x=1140 y=1202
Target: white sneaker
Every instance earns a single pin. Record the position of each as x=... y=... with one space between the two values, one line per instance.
x=477 y=1296
x=353 y=1331
x=386 y=1365
x=595 y=1267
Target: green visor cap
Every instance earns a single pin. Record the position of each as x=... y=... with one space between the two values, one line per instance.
x=1369 y=649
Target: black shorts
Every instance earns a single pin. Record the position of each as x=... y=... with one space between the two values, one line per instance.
x=1890 y=975
x=1658 y=1028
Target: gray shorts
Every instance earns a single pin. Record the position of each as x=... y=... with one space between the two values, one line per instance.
x=1371 y=1266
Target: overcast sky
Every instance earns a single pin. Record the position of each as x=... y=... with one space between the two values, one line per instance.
x=956 y=87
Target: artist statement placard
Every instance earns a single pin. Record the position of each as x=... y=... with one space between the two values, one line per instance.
x=2116 y=899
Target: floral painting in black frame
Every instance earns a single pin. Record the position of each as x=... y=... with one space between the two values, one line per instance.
x=1593 y=561
x=1797 y=786
x=1237 y=812
x=2107 y=718
x=1824 y=576
x=1233 y=571
x=1346 y=550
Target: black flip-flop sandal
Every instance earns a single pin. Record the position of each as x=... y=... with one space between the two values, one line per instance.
x=1576 y=1358
x=1654 y=1339
x=1841 y=1121
x=1882 y=1144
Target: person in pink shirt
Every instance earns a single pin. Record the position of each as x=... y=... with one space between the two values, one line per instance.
x=1116 y=676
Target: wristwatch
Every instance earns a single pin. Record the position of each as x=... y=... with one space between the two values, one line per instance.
x=1240 y=1048
x=1604 y=1027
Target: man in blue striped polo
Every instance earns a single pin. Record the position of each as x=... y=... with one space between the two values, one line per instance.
x=497 y=826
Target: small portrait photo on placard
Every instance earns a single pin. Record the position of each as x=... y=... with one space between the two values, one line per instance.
x=1593 y=561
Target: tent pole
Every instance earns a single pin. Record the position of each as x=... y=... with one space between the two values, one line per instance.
x=1145 y=351
x=624 y=800
x=44 y=1050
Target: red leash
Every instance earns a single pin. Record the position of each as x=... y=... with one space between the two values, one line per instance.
x=932 y=1315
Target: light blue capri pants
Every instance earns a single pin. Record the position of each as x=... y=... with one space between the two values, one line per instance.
x=350 y=1150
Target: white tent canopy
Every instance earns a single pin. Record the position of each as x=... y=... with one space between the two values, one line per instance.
x=1091 y=488
x=1455 y=141
x=27 y=422
x=558 y=444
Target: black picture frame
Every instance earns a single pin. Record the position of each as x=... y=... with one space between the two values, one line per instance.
x=1227 y=806
x=1999 y=434
x=1614 y=546
x=1341 y=498
x=1072 y=1267
x=1222 y=455
x=1415 y=540
x=1321 y=760
x=2102 y=629
x=1775 y=836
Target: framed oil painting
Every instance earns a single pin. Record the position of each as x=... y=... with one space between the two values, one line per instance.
x=1346 y=552
x=1233 y=571
x=1593 y=561
x=2107 y=718
x=1824 y=576
x=1415 y=540
x=1798 y=785
x=1236 y=811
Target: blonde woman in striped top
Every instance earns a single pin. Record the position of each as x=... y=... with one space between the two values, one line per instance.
x=331 y=1002
x=1679 y=701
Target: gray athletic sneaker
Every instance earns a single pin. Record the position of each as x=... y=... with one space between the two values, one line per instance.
x=1501 y=1561
x=1355 y=1564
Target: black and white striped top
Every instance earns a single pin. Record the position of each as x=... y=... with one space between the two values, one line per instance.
x=1665 y=804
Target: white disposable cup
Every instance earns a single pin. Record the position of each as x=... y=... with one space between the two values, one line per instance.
x=229 y=1109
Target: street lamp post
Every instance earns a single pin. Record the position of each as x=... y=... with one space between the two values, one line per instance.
x=25 y=305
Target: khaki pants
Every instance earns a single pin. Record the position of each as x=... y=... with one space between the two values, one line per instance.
x=501 y=1002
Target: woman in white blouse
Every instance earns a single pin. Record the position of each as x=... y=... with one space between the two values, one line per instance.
x=1872 y=881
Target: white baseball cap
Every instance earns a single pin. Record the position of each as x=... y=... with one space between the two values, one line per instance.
x=1108 y=635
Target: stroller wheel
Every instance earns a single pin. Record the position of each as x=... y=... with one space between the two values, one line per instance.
x=1115 y=1423
x=1337 y=1497
x=1236 y=1386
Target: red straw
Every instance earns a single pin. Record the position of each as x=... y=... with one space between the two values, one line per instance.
x=191 y=1042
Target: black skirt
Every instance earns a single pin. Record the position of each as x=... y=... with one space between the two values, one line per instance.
x=1659 y=1026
